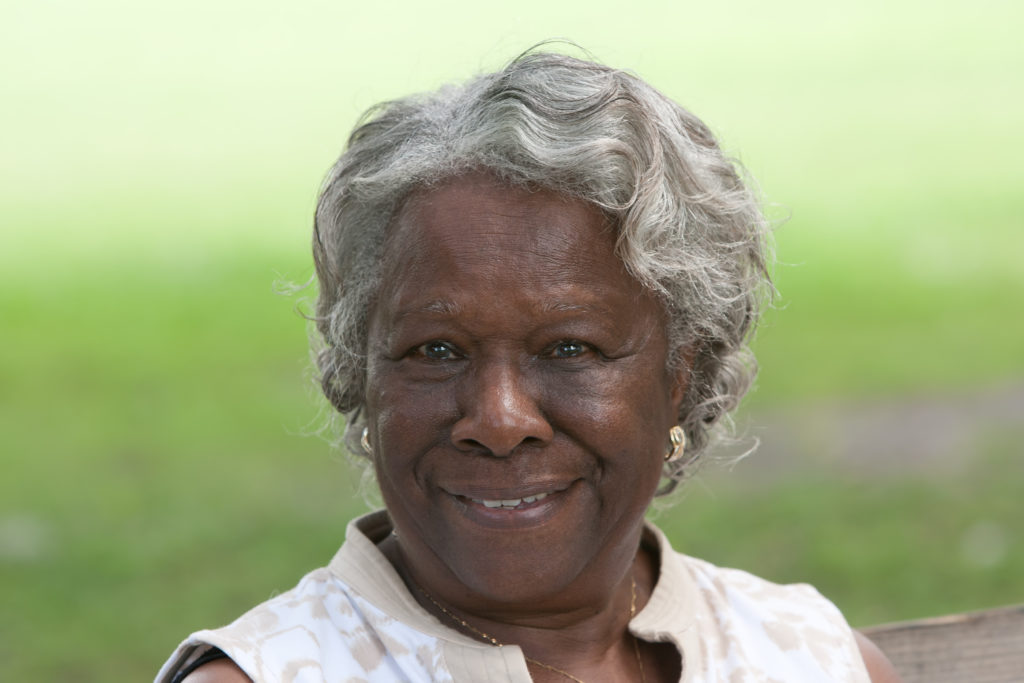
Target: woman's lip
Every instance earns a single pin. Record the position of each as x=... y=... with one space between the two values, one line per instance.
x=523 y=514
x=490 y=493
x=509 y=503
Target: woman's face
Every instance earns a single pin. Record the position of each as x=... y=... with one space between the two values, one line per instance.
x=518 y=400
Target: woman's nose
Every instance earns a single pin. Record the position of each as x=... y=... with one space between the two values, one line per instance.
x=499 y=413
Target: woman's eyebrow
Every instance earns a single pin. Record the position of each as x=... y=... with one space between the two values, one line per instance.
x=437 y=307
x=447 y=307
x=574 y=307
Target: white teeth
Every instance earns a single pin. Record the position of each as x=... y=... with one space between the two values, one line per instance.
x=510 y=503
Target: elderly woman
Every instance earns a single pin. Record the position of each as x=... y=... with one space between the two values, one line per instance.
x=536 y=291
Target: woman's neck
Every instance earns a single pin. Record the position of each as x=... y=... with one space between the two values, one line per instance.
x=582 y=631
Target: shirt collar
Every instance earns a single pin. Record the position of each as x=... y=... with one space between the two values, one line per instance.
x=360 y=564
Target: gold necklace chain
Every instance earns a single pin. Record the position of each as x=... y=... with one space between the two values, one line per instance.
x=497 y=643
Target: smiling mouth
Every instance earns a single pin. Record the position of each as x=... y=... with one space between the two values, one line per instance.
x=510 y=503
x=534 y=506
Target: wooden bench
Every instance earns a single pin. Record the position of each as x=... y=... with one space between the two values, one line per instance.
x=978 y=647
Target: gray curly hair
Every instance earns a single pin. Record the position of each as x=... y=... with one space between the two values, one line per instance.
x=689 y=228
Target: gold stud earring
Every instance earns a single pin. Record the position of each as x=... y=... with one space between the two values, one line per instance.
x=364 y=441
x=678 y=437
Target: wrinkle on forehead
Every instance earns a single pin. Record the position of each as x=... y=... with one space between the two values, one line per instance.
x=539 y=217
x=450 y=308
x=560 y=249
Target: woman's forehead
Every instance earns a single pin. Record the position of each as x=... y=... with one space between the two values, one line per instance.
x=476 y=235
x=482 y=229
x=479 y=212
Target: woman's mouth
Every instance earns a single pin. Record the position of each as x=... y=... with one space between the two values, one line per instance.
x=511 y=503
x=511 y=513
x=520 y=509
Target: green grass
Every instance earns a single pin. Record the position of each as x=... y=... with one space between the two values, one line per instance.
x=159 y=174
x=883 y=549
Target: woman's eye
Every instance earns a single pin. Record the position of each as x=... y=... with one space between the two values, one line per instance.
x=569 y=349
x=437 y=350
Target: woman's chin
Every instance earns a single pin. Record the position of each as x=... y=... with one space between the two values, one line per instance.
x=521 y=550
x=552 y=543
x=529 y=581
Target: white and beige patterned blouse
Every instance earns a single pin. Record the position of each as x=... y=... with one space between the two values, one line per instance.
x=355 y=621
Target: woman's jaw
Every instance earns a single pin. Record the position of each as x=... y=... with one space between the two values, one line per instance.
x=528 y=553
x=520 y=567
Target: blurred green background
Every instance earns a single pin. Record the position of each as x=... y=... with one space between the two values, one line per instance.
x=159 y=167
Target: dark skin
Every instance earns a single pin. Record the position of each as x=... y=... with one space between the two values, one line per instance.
x=512 y=358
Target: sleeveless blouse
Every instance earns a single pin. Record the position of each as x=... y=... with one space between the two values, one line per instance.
x=355 y=621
